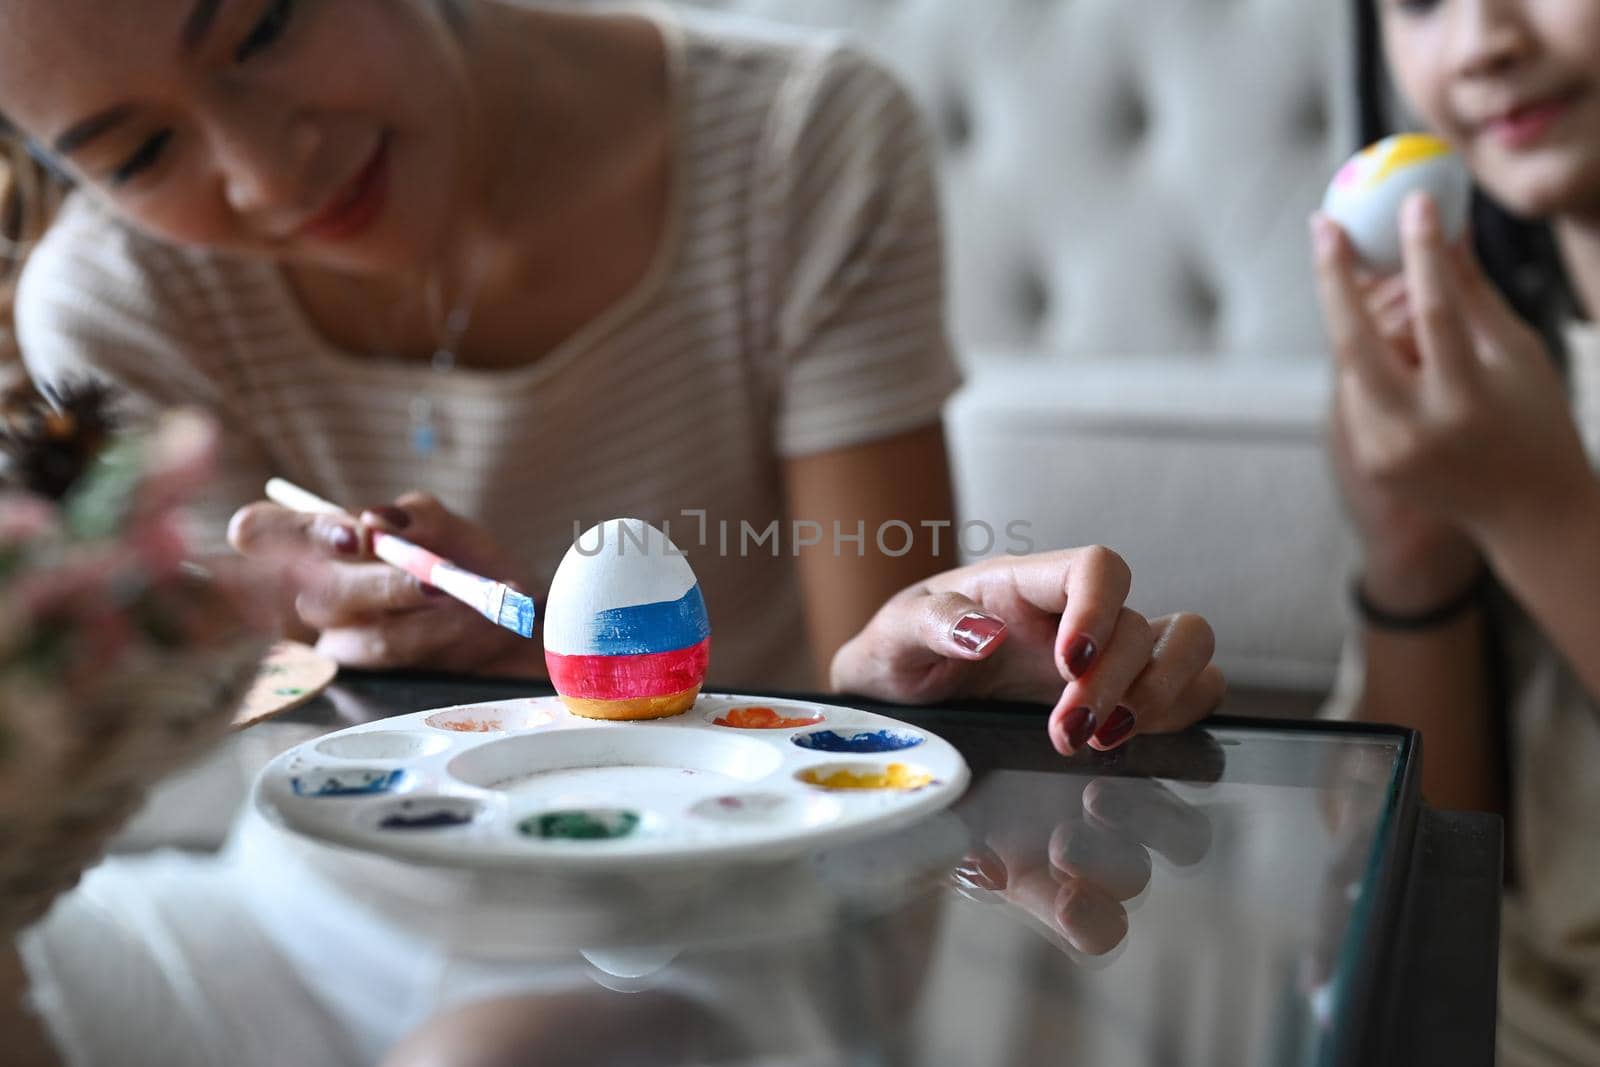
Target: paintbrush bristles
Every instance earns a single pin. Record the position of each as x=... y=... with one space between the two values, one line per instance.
x=517 y=613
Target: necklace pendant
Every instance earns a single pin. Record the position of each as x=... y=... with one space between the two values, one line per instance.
x=423 y=439
x=424 y=436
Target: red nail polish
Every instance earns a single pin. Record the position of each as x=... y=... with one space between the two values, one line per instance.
x=1080 y=655
x=399 y=518
x=1119 y=725
x=975 y=632
x=345 y=541
x=1078 y=725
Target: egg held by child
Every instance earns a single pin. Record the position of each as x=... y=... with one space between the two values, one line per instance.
x=1365 y=196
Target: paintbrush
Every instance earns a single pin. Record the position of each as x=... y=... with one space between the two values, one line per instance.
x=495 y=601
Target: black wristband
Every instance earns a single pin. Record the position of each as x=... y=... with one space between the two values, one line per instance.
x=1463 y=602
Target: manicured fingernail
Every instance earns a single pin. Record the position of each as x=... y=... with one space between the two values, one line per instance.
x=976 y=632
x=396 y=517
x=345 y=541
x=1078 y=725
x=1119 y=725
x=1080 y=655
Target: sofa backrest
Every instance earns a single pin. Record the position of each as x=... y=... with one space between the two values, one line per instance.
x=1126 y=188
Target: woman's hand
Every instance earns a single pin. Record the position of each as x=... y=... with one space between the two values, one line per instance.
x=1070 y=851
x=1049 y=627
x=371 y=615
x=1451 y=420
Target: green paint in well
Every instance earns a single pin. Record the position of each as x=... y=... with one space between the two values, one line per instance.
x=580 y=825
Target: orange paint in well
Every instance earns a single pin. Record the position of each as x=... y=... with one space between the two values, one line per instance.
x=755 y=717
x=472 y=726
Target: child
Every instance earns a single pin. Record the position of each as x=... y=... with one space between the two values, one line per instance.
x=1462 y=456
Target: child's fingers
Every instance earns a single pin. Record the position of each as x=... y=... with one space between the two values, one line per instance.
x=1485 y=306
x=1352 y=334
x=1439 y=321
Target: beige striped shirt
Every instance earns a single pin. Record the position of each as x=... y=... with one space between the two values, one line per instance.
x=794 y=307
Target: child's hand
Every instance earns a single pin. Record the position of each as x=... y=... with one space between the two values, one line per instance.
x=1467 y=425
x=1413 y=559
x=372 y=615
x=1048 y=627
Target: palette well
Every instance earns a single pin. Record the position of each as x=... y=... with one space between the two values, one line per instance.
x=526 y=784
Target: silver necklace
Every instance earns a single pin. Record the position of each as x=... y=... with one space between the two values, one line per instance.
x=425 y=421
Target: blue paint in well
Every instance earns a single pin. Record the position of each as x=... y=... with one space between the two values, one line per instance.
x=354 y=782
x=429 y=815
x=864 y=741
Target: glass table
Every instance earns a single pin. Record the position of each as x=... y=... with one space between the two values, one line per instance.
x=1253 y=892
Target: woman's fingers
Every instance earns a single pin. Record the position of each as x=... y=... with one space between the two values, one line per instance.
x=268 y=530
x=908 y=650
x=1179 y=685
x=401 y=640
x=1147 y=812
x=1090 y=709
x=1155 y=678
x=1083 y=848
x=1085 y=587
x=353 y=594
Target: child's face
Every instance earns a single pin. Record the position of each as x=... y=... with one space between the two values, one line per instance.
x=1515 y=84
x=323 y=131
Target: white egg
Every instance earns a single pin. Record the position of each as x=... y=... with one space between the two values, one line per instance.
x=1364 y=197
x=626 y=632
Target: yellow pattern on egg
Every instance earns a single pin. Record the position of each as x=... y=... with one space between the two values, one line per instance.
x=1405 y=150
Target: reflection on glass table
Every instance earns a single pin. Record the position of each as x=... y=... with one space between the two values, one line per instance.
x=1214 y=897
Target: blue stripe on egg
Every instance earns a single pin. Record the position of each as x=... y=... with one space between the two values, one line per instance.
x=646 y=628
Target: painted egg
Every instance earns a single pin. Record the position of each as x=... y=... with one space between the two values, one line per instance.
x=626 y=634
x=1365 y=196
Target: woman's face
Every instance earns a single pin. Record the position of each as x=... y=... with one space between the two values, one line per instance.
x=328 y=132
x=1513 y=84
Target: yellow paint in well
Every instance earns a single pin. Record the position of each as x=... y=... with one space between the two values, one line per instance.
x=895 y=776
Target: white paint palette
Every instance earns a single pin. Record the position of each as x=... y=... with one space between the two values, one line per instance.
x=525 y=784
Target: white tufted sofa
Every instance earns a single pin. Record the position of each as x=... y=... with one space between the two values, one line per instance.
x=1126 y=186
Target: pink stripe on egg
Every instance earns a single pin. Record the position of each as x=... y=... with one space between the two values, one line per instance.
x=627 y=677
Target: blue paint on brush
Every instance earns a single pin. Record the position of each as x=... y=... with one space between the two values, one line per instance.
x=865 y=741
x=517 y=613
